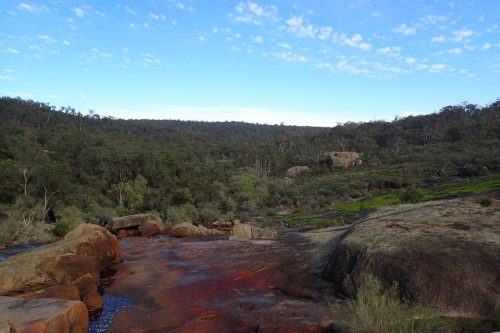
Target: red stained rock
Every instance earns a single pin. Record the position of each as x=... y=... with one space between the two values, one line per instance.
x=93 y=301
x=42 y=316
x=149 y=230
x=85 y=284
x=122 y=233
x=201 y=285
x=68 y=292
x=133 y=232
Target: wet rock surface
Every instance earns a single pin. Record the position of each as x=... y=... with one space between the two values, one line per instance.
x=42 y=315
x=444 y=254
x=212 y=284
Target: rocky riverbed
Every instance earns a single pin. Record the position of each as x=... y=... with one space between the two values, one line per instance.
x=213 y=284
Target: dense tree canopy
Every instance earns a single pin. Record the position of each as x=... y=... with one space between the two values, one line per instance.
x=187 y=170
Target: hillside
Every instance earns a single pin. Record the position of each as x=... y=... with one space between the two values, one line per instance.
x=61 y=167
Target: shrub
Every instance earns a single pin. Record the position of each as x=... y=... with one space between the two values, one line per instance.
x=412 y=194
x=378 y=311
x=184 y=213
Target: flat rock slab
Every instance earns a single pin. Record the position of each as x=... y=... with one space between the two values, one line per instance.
x=43 y=315
x=212 y=284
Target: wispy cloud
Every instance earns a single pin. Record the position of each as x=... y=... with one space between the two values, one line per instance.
x=462 y=34
x=46 y=39
x=11 y=50
x=79 y=11
x=486 y=46
x=34 y=9
x=251 y=12
x=438 y=39
x=437 y=68
x=290 y=56
x=390 y=51
x=297 y=27
x=405 y=30
x=355 y=40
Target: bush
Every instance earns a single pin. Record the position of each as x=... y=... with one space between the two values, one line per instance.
x=412 y=194
x=183 y=213
x=67 y=219
x=378 y=311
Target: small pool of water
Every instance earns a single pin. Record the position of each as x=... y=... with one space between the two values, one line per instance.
x=99 y=322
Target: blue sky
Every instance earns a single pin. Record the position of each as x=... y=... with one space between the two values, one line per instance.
x=297 y=62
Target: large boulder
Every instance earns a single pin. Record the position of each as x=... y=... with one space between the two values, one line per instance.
x=86 y=250
x=443 y=254
x=42 y=315
x=250 y=231
x=343 y=159
x=134 y=221
x=190 y=230
x=297 y=171
x=150 y=230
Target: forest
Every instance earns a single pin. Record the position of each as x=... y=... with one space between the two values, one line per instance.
x=59 y=167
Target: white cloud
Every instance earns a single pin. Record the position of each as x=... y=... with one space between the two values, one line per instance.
x=410 y=60
x=291 y=56
x=486 y=46
x=11 y=50
x=9 y=70
x=355 y=40
x=390 y=51
x=130 y=11
x=324 y=33
x=405 y=30
x=437 y=68
x=80 y=12
x=150 y=60
x=438 y=39
x=258 y=40
x=158 y=17
x=462 y=34
x=285 y=46
x=34 y=9
x=251 y=12
x=181 y=6
x=6 y=78
x=296 y=26
x=46 y=39
x=65 y=42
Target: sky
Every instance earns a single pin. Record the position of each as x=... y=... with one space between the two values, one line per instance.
x=297 y=62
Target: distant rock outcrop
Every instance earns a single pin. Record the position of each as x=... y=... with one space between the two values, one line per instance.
x=343 y=159
x=443 y=254
x=134 y=221
x=191 y=230
x=297 y=171
x=250 y=231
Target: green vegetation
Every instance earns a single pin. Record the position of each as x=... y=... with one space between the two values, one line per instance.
x=377 y=311
x=200 y=172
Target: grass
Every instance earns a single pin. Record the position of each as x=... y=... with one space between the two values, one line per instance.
x=375 y=310
x=347 y=212
x=463 y=187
